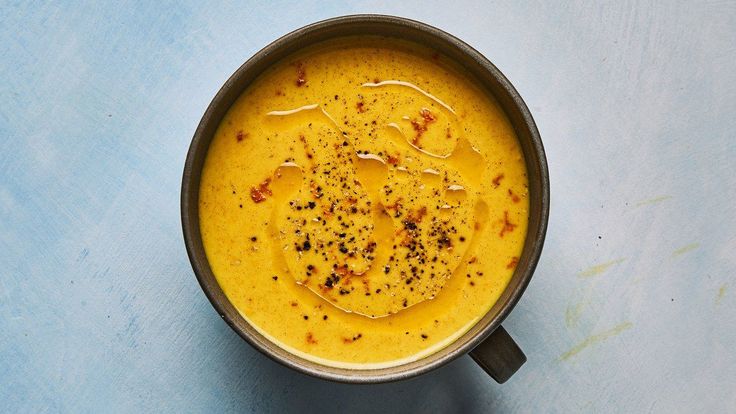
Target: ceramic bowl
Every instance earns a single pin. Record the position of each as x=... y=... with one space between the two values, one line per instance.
x=486 y=342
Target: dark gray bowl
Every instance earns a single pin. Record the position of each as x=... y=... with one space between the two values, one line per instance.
x=487 y=342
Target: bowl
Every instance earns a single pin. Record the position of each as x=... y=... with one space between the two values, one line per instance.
x=486 y=342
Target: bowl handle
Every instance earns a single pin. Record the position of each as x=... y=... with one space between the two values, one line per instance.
x=498 y=355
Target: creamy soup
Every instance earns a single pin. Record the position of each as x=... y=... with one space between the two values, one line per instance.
x=364 y=203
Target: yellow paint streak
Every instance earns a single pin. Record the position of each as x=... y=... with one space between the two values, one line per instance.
x=573 y=314
x=652 y=201
x=721 y=293
x=595 y=339
x=598 y=269
x=685 y=249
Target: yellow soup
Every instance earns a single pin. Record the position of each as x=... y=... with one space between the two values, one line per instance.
x=363 y=203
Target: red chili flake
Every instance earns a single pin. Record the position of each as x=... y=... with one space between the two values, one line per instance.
x=376 y=80
x=421 y=128
x=256 y=195
x=316 y=190
x=300 y=74
x=395 y=206
x=279 y=92
x=344 y=274
x=310 y=338
x=328 y=211
x=497 y=180
x=514 y=197
x=293 y=304
x=448 y=133
x=427 y=115
x=507 y=225
x=260 y=193
x=416 y=217
x=360 y=107
x=342 y=270
x=241 y=136
x=472 y=260
x=512 y=264
x=393 y=160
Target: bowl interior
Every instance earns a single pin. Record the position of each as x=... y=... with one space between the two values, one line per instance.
x=483 y=72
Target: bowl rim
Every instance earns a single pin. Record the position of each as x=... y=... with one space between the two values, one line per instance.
x=463 y=344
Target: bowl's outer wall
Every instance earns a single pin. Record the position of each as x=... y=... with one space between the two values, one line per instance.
x=485 y=74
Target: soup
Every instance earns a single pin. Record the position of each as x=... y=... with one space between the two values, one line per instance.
x=363 y=203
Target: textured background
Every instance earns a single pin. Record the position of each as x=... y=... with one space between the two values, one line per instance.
x=633 y=305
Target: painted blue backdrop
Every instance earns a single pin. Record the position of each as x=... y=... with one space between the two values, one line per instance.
x=633 y=306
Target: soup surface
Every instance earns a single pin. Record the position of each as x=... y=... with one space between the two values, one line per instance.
x=363 y=203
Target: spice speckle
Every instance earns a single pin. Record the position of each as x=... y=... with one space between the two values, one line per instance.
x=260 y=192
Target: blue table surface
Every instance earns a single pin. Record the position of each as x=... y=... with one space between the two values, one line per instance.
x=632 y=307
